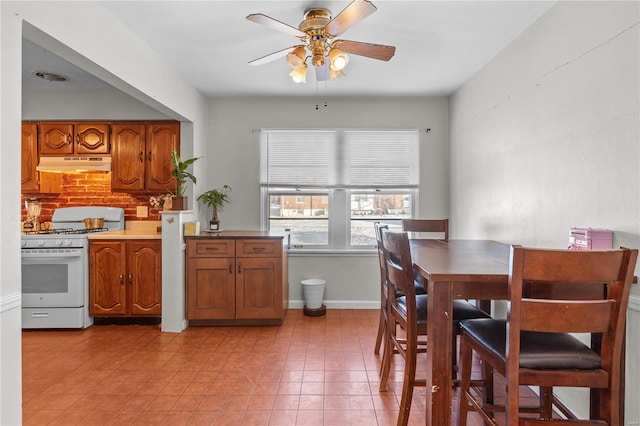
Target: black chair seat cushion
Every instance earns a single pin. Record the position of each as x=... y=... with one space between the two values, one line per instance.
x=421 y=307
x=540 y=351
x=461 y=309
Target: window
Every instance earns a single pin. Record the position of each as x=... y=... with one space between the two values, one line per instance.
x=327 y=187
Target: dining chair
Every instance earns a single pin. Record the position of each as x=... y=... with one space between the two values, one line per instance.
x=440 y=226
x=408 y=311
x=462 y=309
x=382 y=323
x=534 y=345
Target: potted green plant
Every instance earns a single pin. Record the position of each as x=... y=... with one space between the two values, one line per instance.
x=180 y=176
x=215 y=198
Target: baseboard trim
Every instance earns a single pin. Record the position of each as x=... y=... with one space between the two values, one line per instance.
x=340 y=304
x=634 y=304
x=10 y=301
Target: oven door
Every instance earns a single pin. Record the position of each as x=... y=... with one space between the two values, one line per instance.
x=53 y=277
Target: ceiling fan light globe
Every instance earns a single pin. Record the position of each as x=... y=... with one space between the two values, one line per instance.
x=296 y=57
x=299 y=75
x=338 y=59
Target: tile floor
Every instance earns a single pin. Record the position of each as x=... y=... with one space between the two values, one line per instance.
x=309 y=371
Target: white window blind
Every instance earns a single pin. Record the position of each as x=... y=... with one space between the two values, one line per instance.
x=339 y=158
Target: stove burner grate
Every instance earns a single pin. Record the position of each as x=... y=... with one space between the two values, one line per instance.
x=65 y=231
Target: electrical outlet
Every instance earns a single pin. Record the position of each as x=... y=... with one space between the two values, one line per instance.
x=142 y=211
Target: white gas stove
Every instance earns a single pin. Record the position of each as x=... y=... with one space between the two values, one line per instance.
x=55 y=268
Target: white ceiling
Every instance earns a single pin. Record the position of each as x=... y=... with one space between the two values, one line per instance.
x=439 y=45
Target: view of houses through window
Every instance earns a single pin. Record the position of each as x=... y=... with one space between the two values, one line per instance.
x=306 y=217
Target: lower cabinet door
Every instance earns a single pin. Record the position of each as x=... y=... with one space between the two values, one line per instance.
x=107 y=279
x=259 y=288
x=144 y=277
x=211 y=289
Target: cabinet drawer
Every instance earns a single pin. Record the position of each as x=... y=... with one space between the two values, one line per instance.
x=211 y=248
x=259 y=248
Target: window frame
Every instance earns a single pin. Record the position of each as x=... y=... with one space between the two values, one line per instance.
x=339 y=221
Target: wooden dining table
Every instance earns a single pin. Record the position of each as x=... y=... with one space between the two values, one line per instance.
x=466 y=269
x=454 y=269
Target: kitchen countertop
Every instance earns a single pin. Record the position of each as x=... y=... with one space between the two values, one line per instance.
x=127 y=234
x=237 y=235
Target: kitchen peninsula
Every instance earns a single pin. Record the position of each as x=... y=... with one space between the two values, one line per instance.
x=236 y=277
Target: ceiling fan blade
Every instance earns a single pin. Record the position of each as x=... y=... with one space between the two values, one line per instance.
x=322 y=72
x=370 y=50
x=271 y=56
x=274 y=24
x=355 y=12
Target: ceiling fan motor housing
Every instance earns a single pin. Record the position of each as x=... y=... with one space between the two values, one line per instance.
x=315 y=19
x=313 y=25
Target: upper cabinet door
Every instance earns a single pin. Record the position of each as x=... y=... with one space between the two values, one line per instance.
x=162 y=138
x=92 y=138
x=29 y=157
x=61 y=138
x=128 y=156
x=56 y=138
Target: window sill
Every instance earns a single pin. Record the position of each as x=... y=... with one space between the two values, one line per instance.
x=331 y=252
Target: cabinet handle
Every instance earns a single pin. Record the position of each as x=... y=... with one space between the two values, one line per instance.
x=231 y=267
x=140 y=157
x=130 y=278
x=78 y=139
x=211 y=248
x=69 y=138
x=149 y=156
x=121 y=279
x=258 y=249
x=239 y=267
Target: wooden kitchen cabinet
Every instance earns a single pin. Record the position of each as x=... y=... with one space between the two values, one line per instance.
x=141 y=155
x=125 y=278
x=29 y=180
x=239 y=278
x=32 y=180
x=73 y=138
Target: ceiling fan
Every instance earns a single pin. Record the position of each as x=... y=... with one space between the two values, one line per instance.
x=317 y=34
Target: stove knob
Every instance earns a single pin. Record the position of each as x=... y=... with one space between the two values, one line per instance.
x=23 y=243
x=58 y=242
x=67 y=242
x=40 y=243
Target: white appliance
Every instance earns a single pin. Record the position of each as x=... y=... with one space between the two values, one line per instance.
x=55 y=268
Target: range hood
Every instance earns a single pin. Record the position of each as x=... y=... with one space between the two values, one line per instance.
x=74 y=164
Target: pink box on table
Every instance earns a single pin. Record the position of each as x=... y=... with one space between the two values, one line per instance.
x=590 y=239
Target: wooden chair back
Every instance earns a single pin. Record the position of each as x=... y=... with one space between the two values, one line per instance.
x=379 y=229
x=536 y=305
x=397 y=256
x=427 y=225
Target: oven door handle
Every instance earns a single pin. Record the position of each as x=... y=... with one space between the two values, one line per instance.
x=49 y=256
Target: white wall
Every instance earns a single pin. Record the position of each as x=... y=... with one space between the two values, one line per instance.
x=85 y=104
x=234 y=155
x=60 y=27
x=546 y=137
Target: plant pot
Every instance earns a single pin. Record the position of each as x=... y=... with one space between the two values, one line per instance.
x=179 y=202
x=214 y=225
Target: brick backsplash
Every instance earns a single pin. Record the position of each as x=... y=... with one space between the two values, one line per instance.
x=91 y=189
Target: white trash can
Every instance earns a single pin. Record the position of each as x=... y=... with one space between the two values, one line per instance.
x=313 y=292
